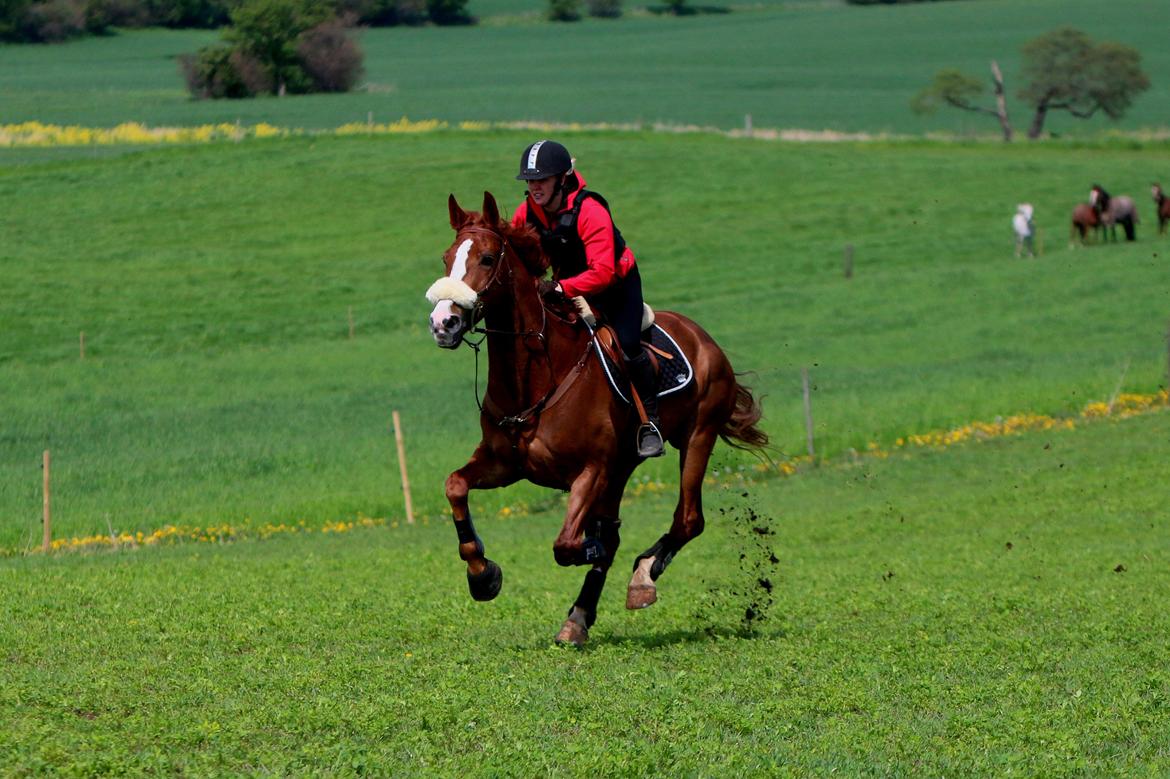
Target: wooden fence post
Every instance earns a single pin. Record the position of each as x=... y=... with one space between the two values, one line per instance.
x=81 y=338
x=848 y=260
x=808 y=420
x=47 y=519
x=402 y=468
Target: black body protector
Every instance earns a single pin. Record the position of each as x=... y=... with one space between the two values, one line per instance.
x=562 y=243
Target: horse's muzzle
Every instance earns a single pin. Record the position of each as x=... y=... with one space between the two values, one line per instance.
x=447 y=328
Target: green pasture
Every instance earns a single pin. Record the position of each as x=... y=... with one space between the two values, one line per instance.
x=817 y=66
x=215 y=285
x=997 y=609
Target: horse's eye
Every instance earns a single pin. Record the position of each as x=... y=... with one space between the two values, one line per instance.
x=486 y=260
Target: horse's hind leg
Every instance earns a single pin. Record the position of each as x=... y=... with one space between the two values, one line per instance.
x=688 y=519
x=483 y=471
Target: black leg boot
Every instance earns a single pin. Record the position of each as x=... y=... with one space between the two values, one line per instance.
x=645 y=382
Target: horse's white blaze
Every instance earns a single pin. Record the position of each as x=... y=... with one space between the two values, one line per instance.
x=1093 y=197
x=459 y=267
x=451 y=293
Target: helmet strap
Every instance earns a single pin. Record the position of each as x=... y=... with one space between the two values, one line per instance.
x=559 y=189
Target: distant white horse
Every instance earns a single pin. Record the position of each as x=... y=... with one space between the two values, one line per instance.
x=1024 y=229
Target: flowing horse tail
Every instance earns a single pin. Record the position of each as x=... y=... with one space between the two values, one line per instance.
x=740 y=430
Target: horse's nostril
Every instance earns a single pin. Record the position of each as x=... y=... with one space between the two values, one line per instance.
x=450 y=322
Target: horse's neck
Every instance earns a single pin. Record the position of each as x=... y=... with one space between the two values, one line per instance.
x=525 y=367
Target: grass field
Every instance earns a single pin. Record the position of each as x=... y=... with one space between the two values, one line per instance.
x=810 y=65
x=992 y=609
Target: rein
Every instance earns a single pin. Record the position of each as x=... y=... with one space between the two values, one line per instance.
x=487 y=405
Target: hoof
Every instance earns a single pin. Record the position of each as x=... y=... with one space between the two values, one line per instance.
x=642 y=591
x=486 y=585
x=639 y=596
x=572 y=633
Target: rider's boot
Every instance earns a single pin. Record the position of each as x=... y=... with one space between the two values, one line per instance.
x=646 y=384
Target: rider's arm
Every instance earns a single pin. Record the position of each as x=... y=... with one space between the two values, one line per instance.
x=595 y=227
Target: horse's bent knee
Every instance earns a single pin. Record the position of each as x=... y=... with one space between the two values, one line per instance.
x=589 y=551
x=564 y=554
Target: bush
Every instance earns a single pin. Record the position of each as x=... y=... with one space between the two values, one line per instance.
x=384 y=13
x=605 y=9
x=56 y=20
x=101 y=15
x=282 y=46
x=224 y=72
x=449 y=12
x=189 y=13
x=52 y=21
x=330 y=58
x=563 y=10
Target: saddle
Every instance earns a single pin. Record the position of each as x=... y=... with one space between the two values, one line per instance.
x=671 y=366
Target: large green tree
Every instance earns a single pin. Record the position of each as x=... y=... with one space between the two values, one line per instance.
x=1064 y=70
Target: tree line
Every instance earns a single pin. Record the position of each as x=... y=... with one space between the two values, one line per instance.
x=52 y=21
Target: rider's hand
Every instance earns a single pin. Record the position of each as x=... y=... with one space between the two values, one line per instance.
x=549 y=289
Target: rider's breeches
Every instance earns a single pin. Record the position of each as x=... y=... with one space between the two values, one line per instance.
x=622 y=306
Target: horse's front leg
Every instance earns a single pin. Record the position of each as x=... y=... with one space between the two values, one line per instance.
x=604 y=531
x=483 y=471
x=574 y=546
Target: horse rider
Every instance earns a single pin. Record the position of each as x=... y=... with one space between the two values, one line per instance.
x=589 y=258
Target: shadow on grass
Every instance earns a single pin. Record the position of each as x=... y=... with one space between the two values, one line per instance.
x=702 y=635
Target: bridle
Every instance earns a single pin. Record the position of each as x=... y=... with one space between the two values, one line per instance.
x=497 y=274
x=487 y=405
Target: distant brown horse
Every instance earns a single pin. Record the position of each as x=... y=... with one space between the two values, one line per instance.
x=1113 y=211
x=1084 y=218
x=549 y=416
x=1163 y=205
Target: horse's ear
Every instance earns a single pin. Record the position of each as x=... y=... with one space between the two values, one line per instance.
x=458 y=215
x=491 y=212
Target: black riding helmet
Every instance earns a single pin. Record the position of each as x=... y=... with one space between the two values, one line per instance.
x=543 y=159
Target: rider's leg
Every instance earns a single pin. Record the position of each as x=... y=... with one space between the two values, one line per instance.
x=625 y=314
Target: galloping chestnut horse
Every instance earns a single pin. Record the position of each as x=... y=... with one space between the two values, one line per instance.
x=549 y=416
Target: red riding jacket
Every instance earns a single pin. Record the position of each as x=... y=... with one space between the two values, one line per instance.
x=596 y=230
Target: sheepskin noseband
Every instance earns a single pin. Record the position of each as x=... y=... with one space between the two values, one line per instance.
x=454 y=290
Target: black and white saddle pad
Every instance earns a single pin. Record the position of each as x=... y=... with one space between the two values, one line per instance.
x=673 y=374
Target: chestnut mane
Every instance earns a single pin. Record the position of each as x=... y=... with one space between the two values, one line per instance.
x=523 y=239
